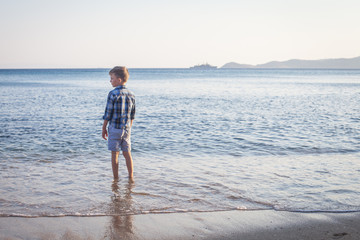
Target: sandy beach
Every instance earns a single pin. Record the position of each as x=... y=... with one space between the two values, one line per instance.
x=265 y=224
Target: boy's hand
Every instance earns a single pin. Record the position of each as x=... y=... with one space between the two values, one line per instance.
x=104 y=134
x=104 y=131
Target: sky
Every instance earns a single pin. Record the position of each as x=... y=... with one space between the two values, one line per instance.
x=171 y=34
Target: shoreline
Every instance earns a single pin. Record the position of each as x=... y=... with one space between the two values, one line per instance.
x=235 y=224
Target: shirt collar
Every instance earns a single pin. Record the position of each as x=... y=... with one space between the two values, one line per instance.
x=121 y=87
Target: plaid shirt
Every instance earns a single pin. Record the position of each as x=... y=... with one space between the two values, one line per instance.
x=120 y=107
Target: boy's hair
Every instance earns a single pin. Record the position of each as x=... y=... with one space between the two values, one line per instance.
x=120 y=72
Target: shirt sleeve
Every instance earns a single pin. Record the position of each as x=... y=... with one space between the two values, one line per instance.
x=109 y=110
x=132 y=115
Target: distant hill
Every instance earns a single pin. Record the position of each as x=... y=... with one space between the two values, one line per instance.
x=237 y=65
x=338 y=63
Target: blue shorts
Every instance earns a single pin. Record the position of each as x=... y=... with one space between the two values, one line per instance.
x=119 y=139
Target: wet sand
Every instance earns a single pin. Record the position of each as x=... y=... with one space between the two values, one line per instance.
x=265 y=224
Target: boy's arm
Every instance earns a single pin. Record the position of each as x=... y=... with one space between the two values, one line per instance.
x=132 y=114
x=108 y=115
x=104 y=131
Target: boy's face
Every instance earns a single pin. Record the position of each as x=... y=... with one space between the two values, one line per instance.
x=114 y=80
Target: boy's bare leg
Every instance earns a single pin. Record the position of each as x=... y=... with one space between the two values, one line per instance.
x=115 y=164
x=129 y=163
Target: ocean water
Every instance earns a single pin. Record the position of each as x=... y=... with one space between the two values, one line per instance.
x=212 y=140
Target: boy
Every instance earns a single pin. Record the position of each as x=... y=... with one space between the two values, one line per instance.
x=120 y=114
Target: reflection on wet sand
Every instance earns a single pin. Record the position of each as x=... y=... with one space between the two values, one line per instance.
x=120 y=226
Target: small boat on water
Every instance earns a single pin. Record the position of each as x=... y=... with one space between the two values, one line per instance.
x=203 y=66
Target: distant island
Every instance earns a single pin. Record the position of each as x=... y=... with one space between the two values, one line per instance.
x=336 y=63
x=203 y=66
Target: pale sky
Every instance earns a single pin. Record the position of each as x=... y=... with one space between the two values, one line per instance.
x=156 y=33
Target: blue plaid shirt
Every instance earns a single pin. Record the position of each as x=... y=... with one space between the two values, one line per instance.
x=120 y=107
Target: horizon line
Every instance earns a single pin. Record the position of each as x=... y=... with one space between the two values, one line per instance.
x=226 y=68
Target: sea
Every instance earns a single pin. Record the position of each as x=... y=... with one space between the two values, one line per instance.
x=202 y=141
